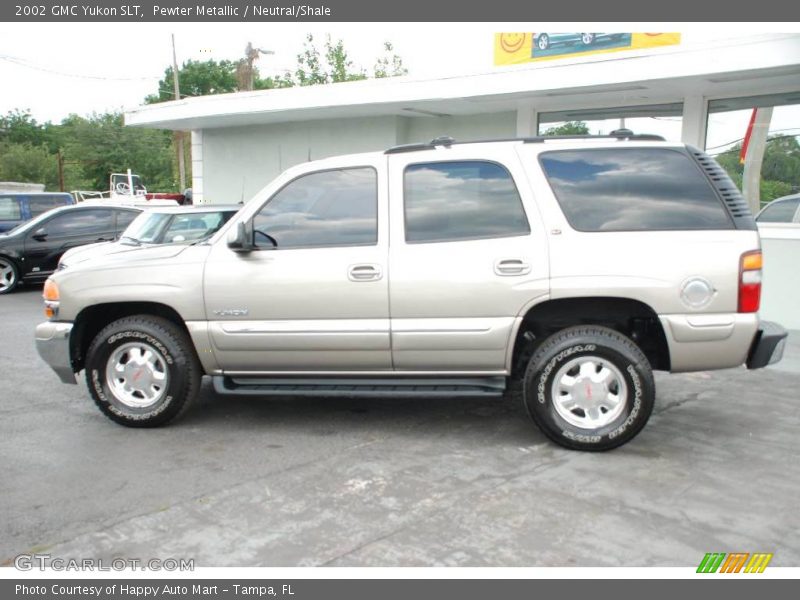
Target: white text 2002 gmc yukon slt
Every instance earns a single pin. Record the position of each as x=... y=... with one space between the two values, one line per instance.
x=571 y=266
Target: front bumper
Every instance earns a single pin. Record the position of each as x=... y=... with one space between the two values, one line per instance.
x=52 y=343
x=767 y=346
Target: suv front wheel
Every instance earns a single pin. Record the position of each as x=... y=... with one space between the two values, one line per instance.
x=142 y=371
x=589 y=388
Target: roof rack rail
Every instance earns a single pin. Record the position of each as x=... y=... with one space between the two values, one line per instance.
x=447 y=141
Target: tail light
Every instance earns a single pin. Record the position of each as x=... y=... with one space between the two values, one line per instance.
x=750 y=281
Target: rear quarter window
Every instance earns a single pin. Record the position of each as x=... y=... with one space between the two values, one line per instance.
x=9 y=209
x=633 y=189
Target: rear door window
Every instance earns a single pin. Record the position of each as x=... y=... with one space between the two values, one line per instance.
x=464 y=200
x=80 y=222
x=633 y=189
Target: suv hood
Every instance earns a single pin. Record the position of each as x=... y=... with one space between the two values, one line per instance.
x=114 y=254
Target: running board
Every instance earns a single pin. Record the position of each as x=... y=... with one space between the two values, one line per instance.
x=395 y=387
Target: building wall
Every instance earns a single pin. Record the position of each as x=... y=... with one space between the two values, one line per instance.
x=464 y=127
x=238 y=162
x=230 y=164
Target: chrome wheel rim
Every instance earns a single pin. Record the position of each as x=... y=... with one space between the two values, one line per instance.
x=587 y=38
x=136 y=373
x=542 y=43
x=589 y=392
x=7 y=276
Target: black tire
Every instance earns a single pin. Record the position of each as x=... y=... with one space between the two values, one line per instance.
x=9 y=275
x=599 y=350
x=543 y=41
x=173 y=359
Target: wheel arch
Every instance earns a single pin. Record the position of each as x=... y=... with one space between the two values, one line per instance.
x=92 y=319
x=632 y=318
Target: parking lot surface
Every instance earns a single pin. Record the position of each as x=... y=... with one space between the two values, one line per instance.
x=361 y=482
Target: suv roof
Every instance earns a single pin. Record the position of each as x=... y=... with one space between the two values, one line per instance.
x=621 y=135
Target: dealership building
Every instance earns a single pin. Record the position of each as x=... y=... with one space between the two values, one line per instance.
x=241 y=141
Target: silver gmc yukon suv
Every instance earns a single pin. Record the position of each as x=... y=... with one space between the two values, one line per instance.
x=563 y=269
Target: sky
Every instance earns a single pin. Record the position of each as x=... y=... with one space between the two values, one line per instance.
x=55 y=69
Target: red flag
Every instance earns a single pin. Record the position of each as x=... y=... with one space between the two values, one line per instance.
x=747 y=135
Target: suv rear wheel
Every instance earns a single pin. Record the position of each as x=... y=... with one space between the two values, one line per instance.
x=142 y=371
x=589 y=388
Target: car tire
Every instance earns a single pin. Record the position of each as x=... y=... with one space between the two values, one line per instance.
x=543 y=41
x=589 y=388
x=9 y=275
x=142 y=371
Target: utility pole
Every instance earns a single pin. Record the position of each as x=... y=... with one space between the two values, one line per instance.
x=178 y=134
x=60 y=158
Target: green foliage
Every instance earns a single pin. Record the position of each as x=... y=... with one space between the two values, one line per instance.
x=97 y=145
x=28 y=163
x=569 y=128
x=780 y=169
x=390 y=64
x=197 y=78
x=313 y=68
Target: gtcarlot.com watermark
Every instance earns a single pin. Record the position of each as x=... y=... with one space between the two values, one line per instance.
x=44 y=562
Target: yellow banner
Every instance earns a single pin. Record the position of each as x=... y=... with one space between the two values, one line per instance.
x=520 y=48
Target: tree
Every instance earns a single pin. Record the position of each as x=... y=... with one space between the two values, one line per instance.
x=101 y=144
x=28 y=163
x=197 y=78
x=390 y=64
x=780 y=169
x=569 y=128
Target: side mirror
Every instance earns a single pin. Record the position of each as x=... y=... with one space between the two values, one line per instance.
x=237 y=238
x=40 y=234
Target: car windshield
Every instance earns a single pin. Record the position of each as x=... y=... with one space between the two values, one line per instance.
x=146 y=228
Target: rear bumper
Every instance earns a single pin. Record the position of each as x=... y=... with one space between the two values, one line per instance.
x=768 y=345
x=52 y=343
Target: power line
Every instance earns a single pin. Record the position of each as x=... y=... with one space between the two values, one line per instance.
x=772 y=139
x=27 y=64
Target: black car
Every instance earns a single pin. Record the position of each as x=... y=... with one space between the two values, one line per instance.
x=30 y=252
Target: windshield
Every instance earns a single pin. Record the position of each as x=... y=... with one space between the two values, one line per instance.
x=146 y=228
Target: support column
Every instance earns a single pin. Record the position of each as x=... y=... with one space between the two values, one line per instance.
x=527 y=119
x=197 y=166
x=751 y=178
x=695 y=121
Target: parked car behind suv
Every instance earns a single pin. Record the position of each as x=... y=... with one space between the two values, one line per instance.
x=567 y=269
x=30 y=252
x=781 y=210
x=164 y=225
x=18 y=207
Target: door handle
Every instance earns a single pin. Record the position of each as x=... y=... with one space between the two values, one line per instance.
x=511 y=266
x=364 y=272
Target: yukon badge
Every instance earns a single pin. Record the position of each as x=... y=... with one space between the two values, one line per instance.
x=232 y=312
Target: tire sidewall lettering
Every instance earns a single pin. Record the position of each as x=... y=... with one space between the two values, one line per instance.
x=124 y=335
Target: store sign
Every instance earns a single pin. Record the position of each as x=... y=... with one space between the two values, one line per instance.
x=519 y=48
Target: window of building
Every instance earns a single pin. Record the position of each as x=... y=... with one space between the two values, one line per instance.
x=466 y=200
x=660 y=119
x=728 y=122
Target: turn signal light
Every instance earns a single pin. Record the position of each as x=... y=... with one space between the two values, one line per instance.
x=51 y=298
x=50 y=291
x=750 y=281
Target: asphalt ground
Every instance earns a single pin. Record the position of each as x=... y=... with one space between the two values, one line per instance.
x=381 y=482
